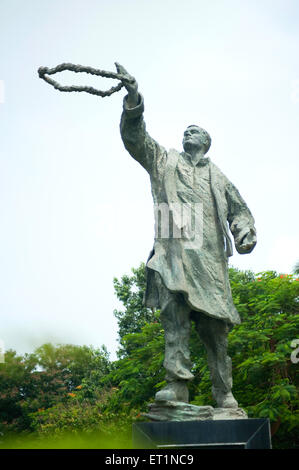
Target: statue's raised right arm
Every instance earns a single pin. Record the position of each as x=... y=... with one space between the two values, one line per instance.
x=136 y=140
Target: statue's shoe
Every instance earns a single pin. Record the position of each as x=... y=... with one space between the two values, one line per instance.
x=174 y=391
x=227 y=400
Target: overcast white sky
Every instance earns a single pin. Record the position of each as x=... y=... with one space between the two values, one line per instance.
x=75 y=209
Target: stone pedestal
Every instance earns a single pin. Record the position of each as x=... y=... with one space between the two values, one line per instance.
x=203 y=434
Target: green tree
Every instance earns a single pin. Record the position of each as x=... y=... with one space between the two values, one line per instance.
x=17 y=383
x=265 y=378
x=138 y=374
x=72 y=364
x=49 y=376
x=130 y=291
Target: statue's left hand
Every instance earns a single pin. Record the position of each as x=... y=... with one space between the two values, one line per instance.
x=248 y=242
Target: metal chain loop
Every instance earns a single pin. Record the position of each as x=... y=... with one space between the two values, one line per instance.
x=43 y=73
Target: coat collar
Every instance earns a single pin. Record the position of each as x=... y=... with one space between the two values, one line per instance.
x=200 y=162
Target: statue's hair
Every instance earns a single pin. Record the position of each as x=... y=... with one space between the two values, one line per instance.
x=205 y=136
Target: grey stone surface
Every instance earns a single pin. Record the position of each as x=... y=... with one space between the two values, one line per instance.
x=187 y=270
x=203 y=434
x=168 y=410
x=178 y=411
x=229 y=413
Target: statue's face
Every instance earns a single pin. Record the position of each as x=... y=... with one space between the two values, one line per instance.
x=192 y=139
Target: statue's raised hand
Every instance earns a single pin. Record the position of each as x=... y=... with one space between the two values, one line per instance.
x=130 y=84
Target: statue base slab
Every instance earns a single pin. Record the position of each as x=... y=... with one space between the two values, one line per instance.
x=230 y=433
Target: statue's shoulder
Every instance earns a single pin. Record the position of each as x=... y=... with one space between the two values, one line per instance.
x=218 y=175
x=172 y=156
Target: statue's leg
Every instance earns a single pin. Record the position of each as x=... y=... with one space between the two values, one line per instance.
x=213 y=334
x=175 y=319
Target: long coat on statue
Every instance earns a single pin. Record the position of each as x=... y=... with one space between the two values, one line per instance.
x=198 y=267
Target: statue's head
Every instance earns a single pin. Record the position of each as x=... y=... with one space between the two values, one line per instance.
x=196 y=138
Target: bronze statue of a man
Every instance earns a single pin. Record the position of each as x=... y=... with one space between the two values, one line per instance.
x=190 y=281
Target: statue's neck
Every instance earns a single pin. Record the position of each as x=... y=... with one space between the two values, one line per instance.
x=196 y=156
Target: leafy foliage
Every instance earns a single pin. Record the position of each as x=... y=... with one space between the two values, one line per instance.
x=130 y=291
x=79 y=416
x=265 y=378
x=17 y=382
x=45 y=378
x=138 y=375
